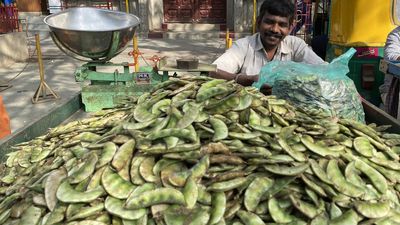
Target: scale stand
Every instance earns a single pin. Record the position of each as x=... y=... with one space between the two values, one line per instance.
x=41 y=94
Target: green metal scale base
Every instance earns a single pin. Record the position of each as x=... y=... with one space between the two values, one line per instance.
x=106 y=89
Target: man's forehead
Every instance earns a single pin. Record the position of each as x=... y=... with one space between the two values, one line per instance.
x=275 y=17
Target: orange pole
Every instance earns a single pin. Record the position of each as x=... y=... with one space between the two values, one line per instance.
x=136 y=53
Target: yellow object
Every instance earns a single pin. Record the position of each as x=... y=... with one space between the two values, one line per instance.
x=136 y=53
x=228 y=40
x=361 y=22
x=41 y=93
x=254 y=15
x=127 y=6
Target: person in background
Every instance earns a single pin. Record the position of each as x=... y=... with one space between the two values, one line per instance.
x=4 y=120
x=244 y=60
x=389 y=90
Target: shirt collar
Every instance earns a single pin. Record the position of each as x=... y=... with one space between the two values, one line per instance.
x=283 y=48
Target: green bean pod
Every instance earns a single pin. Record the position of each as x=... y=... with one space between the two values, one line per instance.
x=157 y=196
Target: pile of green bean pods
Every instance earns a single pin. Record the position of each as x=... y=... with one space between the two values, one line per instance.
x=198 y=150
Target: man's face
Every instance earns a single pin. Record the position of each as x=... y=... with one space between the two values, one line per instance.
x=273 y=29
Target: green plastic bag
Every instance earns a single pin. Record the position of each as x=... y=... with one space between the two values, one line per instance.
x=316 y=87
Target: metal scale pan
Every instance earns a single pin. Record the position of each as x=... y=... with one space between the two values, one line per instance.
x=92 y=34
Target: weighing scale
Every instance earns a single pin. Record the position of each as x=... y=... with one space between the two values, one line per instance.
x=96 y=36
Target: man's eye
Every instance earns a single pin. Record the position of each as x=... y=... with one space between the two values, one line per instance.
x=284 y=25
x=269 y=21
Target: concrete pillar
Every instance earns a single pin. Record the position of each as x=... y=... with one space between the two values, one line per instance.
x=230 y=14
x=13 y=48
x=156 y=14
x=143 y=15
x=243 y=14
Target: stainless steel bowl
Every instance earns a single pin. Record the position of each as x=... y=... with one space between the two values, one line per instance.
x=92 y=33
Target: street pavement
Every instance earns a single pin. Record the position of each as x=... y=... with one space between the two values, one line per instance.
x=19 y=81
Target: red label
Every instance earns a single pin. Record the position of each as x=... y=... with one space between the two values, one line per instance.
x=367 y=52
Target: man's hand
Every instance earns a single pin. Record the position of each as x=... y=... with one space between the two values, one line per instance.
x=266 y=89
x=243 y=79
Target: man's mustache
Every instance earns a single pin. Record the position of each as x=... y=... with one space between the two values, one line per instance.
x=271 y=34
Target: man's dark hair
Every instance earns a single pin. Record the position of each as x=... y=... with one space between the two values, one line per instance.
x=284 y=8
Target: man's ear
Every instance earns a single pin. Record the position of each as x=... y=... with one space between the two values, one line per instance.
x=258 y=23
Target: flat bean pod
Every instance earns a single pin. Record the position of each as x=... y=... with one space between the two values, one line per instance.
x=88 y=211
x=393 y=165
x=350 y=217
x=220 y=129
x=176 y=132
x=115 y=185
x=364 y=147
x=319 y=172
x=257 y=188
x=306 y=208
x=85 y=170
x=66 y=193
x=157 y=196
x=249 y=218
x=161 y=164
x=373 y=210
x=116 y=207
x=227 y=185
x=31 y=216
x=190 y=192
x=377 y=179
x=298 y=156
x=340 y=183
x=287 y=170
x=200 y=216
x=107 y=154
x=320 y=150
x=218 y=207
x=123 y=155
x=51 y=185
x=146 y=170
x=211 y=92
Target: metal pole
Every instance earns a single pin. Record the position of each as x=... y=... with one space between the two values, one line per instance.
x=127 y=6
x=227 y=38
x=40 y=94
x=40 y=60
x=135 y=43
x=254 y=15
x=136 y=53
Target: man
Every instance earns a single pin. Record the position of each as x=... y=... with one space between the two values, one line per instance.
x=390 y=88
x=4 y=120
x=244 y=60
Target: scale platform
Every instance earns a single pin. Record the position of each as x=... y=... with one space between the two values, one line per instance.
x=202 y=69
